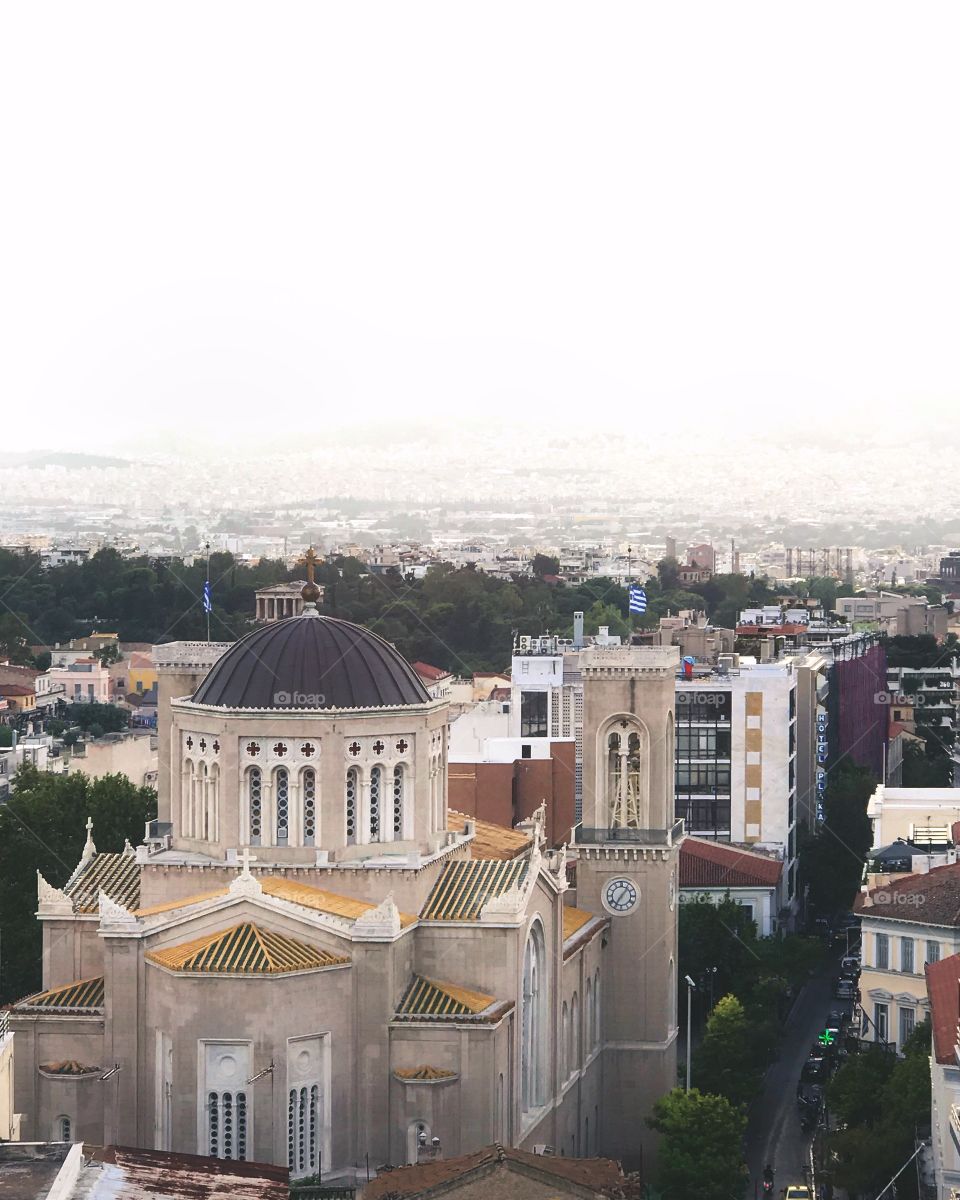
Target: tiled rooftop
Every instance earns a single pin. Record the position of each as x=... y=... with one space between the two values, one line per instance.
x=81 y=996
x=245 y=949
x=490 y=841
x=463 y=887
x=320 y=900
x=430 y=998
x=712 y=864
x=943 y=988
x=573 y=920
x=929 y=899
x=117 y=874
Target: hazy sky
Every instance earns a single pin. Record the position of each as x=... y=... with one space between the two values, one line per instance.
x=215 y=215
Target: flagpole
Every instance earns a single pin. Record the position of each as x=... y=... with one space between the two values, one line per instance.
x=207 y=606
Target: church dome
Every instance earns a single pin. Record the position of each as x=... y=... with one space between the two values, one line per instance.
x=311 y=662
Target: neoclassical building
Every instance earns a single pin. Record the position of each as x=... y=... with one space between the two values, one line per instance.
x=310 y=962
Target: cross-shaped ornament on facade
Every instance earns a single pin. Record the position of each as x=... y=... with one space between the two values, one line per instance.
x=253 y=748
x=354 y=748
x=307 y=749
x=279 y=749
x=203 y=744
x=216 y=747
x=402 y=746
x=246 y=858
x=378 y=747
x=189 y=743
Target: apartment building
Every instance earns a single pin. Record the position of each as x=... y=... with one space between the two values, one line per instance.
x=943 y=991
x=906 y=925
x=736 y=757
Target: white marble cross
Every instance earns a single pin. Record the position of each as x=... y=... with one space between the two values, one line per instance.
x=246 y=858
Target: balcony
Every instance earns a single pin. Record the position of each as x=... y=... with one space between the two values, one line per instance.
x=623 y=835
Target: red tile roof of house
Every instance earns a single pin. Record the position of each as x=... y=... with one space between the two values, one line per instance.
x=713 y=864
x=929 y=899
x=425 y=671
x=943 y=988
x=596 y=1176
x=15 y=689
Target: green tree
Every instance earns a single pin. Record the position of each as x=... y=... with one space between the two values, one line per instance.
x=700 y=1149
x=831 y=862
x=882 y=1102
x=42 y=828
x=724 y=1063
x=107 y=718
x=544 y=564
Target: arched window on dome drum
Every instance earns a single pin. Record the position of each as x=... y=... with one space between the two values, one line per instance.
x=398 y=797
x=350 y=804
x=376 y=802
x=214 y=803
x=204 y=805
x=281 y=784
x=255 y=805
x=308 y=791
x=186 y=798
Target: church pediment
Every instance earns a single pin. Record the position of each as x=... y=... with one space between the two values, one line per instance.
x=244 y=949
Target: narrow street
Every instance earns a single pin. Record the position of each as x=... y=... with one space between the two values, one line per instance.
x=773 y=1134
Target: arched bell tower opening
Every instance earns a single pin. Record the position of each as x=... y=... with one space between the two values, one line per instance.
x=625 y=782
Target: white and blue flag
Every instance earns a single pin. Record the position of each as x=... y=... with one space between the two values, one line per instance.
x=207 y=597
x=638 y=599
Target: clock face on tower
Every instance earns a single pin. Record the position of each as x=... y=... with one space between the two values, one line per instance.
x=620 y=896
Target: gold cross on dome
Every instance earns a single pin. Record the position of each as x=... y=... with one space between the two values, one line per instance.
x=246 y=858
x=310 y=558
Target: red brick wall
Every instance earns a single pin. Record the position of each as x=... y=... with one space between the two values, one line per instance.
x=487 y=790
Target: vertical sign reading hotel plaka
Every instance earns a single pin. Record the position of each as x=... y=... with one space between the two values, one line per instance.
x=822 y=755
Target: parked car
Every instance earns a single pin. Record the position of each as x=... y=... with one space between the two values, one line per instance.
x=837 y=1018
x=845 y=989
x=798 y=1191
x=816 y=1069
x=850 y=966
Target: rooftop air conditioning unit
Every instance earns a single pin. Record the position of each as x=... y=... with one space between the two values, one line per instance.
x=524 y=644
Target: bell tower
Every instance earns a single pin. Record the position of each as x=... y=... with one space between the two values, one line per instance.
x=627 y=865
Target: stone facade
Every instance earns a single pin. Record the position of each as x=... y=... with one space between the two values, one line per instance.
x=308 y=967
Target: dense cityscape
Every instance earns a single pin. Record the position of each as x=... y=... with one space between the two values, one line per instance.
x=480 y=602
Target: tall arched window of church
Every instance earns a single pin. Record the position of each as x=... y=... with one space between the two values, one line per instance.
x=398 y=802
x=376 y=800
x=308 y=791
x=281 y=783
x=350 y=804
x=255 y=804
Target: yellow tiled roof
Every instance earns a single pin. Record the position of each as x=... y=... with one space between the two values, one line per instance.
x=117 y=874
x=81 y=996
x=423 y=1073
x=321 y=901
x=491 y=841
x=168 y=906
x=465 y=886
x=574 y=919
x=429 y=998
x=246 y=949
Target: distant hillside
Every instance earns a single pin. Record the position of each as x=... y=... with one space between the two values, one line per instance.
x=49 y=458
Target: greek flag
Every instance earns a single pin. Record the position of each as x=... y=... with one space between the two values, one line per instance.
x=207 y=597
x=638 y=599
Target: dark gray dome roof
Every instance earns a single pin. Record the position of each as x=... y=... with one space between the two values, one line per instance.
x=311 y=662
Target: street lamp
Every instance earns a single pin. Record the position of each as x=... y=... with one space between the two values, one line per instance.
x=691 y=988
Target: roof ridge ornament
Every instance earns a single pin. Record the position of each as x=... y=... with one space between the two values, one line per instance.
x=89 y=849
x=51 y=901
x=246 y=884
x=380 y=922
x=114 y=915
